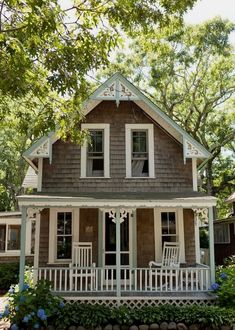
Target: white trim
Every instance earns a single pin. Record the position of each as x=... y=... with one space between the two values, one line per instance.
x=40 y=169
x=194 y=173
x=197 y=238
x=53 y=235
x=106 y=128
x=150 y=129
x=158 y=232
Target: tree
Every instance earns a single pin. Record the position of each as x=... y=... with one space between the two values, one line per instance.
x=50 y=46
x=190 y=74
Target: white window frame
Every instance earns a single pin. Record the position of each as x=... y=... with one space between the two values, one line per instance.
x=158 y=231
x=84 y=147
x=128 y=136
x=218 y=228
x=11 y=222
x=53 y=233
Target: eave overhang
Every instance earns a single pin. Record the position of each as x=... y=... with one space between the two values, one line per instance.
x=127 y=200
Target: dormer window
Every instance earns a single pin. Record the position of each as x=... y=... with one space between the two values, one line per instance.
x=95 y=152
x=139 y=151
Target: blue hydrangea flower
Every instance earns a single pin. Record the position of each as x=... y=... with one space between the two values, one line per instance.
x=25 y=319
x=6 y=312
x=16 y=308
x=14 y=327
x=223 y=276
x=11 y=290
x=36 y=326
x=43 y=317
x=215 y=286
x=40 y=313
x=25 y=287
x=62 y=304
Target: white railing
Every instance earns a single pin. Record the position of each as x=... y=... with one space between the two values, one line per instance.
x=96 y=279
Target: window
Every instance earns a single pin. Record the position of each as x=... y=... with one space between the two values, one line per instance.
x=139 y=157
x=139 y=151
x=9 y=238
x=168 y=222
x=95 y=153
x=222 y=233
x=64 y=235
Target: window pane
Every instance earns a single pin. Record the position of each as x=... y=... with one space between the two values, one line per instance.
x=64 y=247
x=139 y=141
x=13 y=241
x=172 y=223
x=96 y=144
x=68 y=223
x=125 y=234
x=110 y=234
x=2 y=237
x=164 y=223
x=139 y=164
x=60 y=223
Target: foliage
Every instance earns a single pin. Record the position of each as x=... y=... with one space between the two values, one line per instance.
x=54 y=46
x=189 y=73
x=92 y=316
x=225 y=285
x=32 y=307
x=9 y=275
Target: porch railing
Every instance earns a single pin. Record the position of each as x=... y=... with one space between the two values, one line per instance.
x=135 y=280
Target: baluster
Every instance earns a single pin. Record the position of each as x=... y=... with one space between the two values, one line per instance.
x=186 y=279
x=65 y=279
x=141 y=279
x=55 y=280
x=60 y=280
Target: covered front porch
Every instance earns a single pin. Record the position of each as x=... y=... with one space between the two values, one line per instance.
x=124 y=233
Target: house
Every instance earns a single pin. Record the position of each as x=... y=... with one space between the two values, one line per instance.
x=224 y=234
x=10 y=223
x=121 y=196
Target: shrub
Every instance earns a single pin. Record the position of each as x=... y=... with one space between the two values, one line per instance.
x=94 y=315
x=32 y=307
x=225 y=285
x=9 y=275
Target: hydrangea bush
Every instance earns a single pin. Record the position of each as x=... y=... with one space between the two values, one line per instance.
x=32 y=307
x=224 y=286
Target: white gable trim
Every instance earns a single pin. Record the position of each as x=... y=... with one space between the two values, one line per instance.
x=118 y=88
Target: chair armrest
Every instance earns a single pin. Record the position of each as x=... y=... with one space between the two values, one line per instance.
x=155 y=264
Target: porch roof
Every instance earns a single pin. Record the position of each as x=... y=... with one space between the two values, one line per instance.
x=118 y=199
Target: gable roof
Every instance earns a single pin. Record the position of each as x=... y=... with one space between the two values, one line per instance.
x=118 y=88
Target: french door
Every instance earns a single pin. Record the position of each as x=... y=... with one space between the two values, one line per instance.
x=109 y=245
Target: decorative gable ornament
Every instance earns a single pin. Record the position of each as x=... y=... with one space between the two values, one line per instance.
x=117 y=91
x=43 y=150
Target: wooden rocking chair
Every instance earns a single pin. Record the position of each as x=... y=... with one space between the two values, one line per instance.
x=82 y=274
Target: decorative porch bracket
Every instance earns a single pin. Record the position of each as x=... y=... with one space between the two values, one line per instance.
x=118 y=216
x=27 y=213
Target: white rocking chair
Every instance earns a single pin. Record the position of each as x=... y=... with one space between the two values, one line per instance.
x=168 y=267
x=82 y=274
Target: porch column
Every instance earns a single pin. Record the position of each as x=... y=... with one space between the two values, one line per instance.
x=118 y=250
x=36 y=247
x=22 y=245
x=211 y=244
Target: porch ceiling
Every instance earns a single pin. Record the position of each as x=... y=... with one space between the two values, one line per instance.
x=118 y=199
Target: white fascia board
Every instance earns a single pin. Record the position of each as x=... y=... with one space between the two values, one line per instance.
x=49 y=201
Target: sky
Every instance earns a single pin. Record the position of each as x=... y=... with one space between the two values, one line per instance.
x=207 y=9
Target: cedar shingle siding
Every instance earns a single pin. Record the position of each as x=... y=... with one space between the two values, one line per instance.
x=172 y=175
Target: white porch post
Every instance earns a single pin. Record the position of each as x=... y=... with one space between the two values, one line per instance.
x=197 y=239
x=211 y=245
x=118 y=250
x=22 y=245
x=36 y=247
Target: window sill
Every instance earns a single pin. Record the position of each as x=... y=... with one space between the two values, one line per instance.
x=140 y=177
x=95 y=177
x=9 y=254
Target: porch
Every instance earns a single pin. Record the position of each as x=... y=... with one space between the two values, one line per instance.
x=125 y=233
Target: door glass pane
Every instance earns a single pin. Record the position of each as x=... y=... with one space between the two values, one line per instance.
x=125 y=234
x=124 y=259
x=13 y=242
x=110 y=259
x=2 y=237
x=110 y=234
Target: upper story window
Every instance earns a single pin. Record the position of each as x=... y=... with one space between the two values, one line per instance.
x=139 y=151
x=95 y=153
